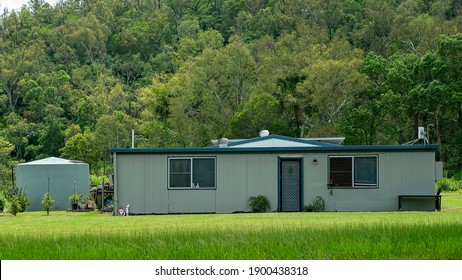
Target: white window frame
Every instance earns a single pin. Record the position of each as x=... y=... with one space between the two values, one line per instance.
x=353 y=184
x=193 y=186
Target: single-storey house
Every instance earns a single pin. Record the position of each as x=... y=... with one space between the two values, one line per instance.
x=290 y=172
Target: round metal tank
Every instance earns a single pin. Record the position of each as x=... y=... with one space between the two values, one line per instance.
x=64 y=175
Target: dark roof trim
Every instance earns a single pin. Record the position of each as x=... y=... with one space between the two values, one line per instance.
x=330 y=148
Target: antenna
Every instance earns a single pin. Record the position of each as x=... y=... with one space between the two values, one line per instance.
x=428 y=133
x=421 y=135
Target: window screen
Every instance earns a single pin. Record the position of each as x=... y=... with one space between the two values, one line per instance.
x=366 y=171
x=352 y=171
x=341 y=172
x=204 y=172
x=192 y=172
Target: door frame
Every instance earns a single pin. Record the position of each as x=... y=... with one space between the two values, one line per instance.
x=302 y=182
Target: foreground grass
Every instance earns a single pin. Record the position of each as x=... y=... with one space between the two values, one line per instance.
x=389 y=235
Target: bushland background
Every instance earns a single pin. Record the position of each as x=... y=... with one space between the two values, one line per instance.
x=77 y=77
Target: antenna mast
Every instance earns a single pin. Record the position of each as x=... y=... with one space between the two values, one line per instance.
x=421 y=135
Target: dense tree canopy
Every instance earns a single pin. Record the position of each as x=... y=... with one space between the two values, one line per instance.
x=77 y=77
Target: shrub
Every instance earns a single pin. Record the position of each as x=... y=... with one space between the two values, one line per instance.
x=2 y=204
x=259 y=203
x=14 y=206
x=47 y=202
x=96 y=180
x=20 y=195
x=448 y=185
x=318 y=205
x=23 y=201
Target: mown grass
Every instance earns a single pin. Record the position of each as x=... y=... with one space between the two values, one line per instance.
x=452 y=201
x=352 y=235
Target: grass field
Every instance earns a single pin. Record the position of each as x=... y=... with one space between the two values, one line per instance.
x=350 y=235
x=452 y=201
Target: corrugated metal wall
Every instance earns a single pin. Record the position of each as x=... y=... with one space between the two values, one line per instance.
x=34 y=178
x=143 y=183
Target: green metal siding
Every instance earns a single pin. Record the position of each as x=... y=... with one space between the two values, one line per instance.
x=142 y=182
x=242 y=176
x=191 y=201
x=232 y=183
x=399 y=173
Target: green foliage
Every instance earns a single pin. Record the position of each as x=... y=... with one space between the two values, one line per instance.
x=23 y=201
x=17 y=199
x=96 y=180
x=82 y=146
x=14 y=206
x=318 y=205
x=6 y=162
x=112 y=131
x=47 y=202
x=2 y=204
x=74 y=198
x=260 y=112
x=259 y=203
x=75 y=78
x=449 y=185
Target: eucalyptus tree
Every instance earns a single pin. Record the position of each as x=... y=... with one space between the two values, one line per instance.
x=261 y=111
x=208 y=90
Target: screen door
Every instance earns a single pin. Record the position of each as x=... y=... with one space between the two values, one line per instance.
x=290 y=197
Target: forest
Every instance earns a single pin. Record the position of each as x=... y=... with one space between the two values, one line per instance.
x=77 y=77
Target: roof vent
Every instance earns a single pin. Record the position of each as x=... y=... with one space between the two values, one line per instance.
x=264 y=133
x=223 y=142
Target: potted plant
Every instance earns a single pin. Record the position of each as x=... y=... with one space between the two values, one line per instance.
x=83 y=202
x=91 y=204
x=74 y=198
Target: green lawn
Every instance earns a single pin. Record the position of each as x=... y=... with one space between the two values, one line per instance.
x=350 y=235
x=452 y=201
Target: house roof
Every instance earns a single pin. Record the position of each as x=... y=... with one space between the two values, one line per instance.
x=277 y=141
x=278 y=144
x=281 y=141
x=52 y=161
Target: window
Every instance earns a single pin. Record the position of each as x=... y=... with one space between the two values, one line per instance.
x=197 y=172
x=341 y=171
x=352 y=171
x=365 y=171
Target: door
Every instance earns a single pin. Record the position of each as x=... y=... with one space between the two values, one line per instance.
x=290 y=185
